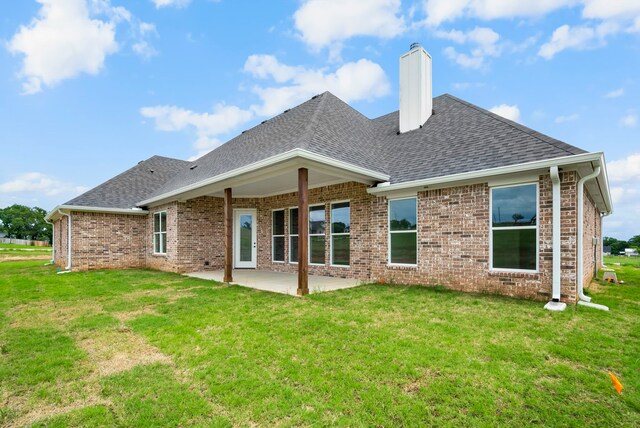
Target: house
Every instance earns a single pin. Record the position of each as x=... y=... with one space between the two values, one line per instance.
x=631 y=252
x=606 y=250
x=439 y=192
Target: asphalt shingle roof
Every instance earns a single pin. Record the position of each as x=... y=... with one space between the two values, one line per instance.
x=458 y=137
x=127 y=189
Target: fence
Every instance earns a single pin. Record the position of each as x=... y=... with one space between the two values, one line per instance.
x=24 y=242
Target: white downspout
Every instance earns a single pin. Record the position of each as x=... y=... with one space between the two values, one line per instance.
x=68 y=267
x=602 y=216
x=555 y=304
x=584 y=300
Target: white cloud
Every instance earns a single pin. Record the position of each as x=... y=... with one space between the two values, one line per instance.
x=207 y=126
x=567 y=118
x=41 y=183
x=604 y=9
x=511 y=112
x=624 y=175
x=61 y=43
x=630 y=120
x=615 y=93
x=353 y=81
x=142 y=47
x=327 y=23
x=578 y=38
x=171 y=3
x=484 y=43
x=439 y=11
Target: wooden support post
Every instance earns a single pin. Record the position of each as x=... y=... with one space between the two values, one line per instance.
x=228 y=236
x=303 y=231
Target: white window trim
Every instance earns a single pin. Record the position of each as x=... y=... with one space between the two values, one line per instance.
x=537 y=227
x=331 y=234
x=389 y=232
x=317 y=234
x=277 y=236
x=163 y=251
x=291 y=234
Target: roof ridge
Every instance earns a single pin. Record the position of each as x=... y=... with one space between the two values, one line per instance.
x=313 y=122
x=531 y=132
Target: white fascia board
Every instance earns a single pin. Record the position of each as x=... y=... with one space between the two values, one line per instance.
x=273 y=160
x=596 y=158
x=80 y=208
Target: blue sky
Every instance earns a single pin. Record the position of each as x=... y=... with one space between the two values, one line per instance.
x=90 y=87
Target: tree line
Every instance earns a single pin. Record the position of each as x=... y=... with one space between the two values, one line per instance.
x=618 y=246
x=22 y=222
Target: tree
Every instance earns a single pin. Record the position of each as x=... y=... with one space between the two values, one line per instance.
x=616 y=245
x=635 y=241
x=22 y=222
x=516 y=217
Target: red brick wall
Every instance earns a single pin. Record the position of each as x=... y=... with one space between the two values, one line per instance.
x=107 y=241
x=453 y=238
x=592 y=224
x=453 y=243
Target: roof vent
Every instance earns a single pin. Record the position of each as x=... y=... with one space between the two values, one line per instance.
x=192 y=167
x=140 y=162
x=287 y=110
x=263 y=122
x=243 y=131
x=151 y=171
x=315 y=96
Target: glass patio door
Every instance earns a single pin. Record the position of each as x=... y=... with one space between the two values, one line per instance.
x=244 y=242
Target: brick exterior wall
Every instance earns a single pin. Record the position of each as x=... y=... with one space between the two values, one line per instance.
x=592 y=228
x=453 y=238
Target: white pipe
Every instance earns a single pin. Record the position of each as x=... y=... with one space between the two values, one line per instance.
x=580 y=264
x=555 y=179
x=68 y=267
x=602 y=216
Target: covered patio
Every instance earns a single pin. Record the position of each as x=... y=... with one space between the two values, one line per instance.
x=278 y=282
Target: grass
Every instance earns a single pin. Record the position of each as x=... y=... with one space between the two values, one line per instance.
x=14 y=252
x=145 y=348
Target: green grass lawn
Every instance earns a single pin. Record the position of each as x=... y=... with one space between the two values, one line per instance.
x=145 y=348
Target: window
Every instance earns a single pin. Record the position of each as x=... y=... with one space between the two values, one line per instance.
x=293 y=235
x=403 y=235
x=316 y=235
x=514 y=228
x=160 y=232
x=277 y=235
x=340 y=230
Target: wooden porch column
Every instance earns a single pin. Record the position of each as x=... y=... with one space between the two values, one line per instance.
x=303 y=231
x=228 y=236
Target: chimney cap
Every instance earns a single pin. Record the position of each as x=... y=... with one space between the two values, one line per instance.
x=415 y=45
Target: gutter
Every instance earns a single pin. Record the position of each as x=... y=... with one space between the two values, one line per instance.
x=80 y=208
x=584 y=300
x=596 y=157
x=555 y=304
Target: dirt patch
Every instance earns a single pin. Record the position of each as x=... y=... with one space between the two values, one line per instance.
x=49 y=411
x=23 y=258
x=130 y=315
x=51 y=312
x=118 y=351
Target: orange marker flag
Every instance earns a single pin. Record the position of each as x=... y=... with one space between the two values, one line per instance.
x=616 y=383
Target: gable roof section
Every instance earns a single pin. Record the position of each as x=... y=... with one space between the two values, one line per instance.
x=127 y=189
x=461 y=137
x=324 y=125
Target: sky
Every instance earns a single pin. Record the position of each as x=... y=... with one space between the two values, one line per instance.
x=88 y=88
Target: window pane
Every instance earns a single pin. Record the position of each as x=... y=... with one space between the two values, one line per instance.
x=403 y=248
x=514 y=249
x=402 y=214
x=317 y=249
x=278 y=223
x=163 y=236
x=340 y=218
x=293 y=221
x=163 y=222
x=156 y=243
x=278 y=248
x=246 y=238
x=340 y=249
x=316 y=220
x=514 y=206
x=156 y=222
x=293 y=249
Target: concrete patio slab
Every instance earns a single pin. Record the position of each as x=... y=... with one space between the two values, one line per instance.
x=278 y=282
